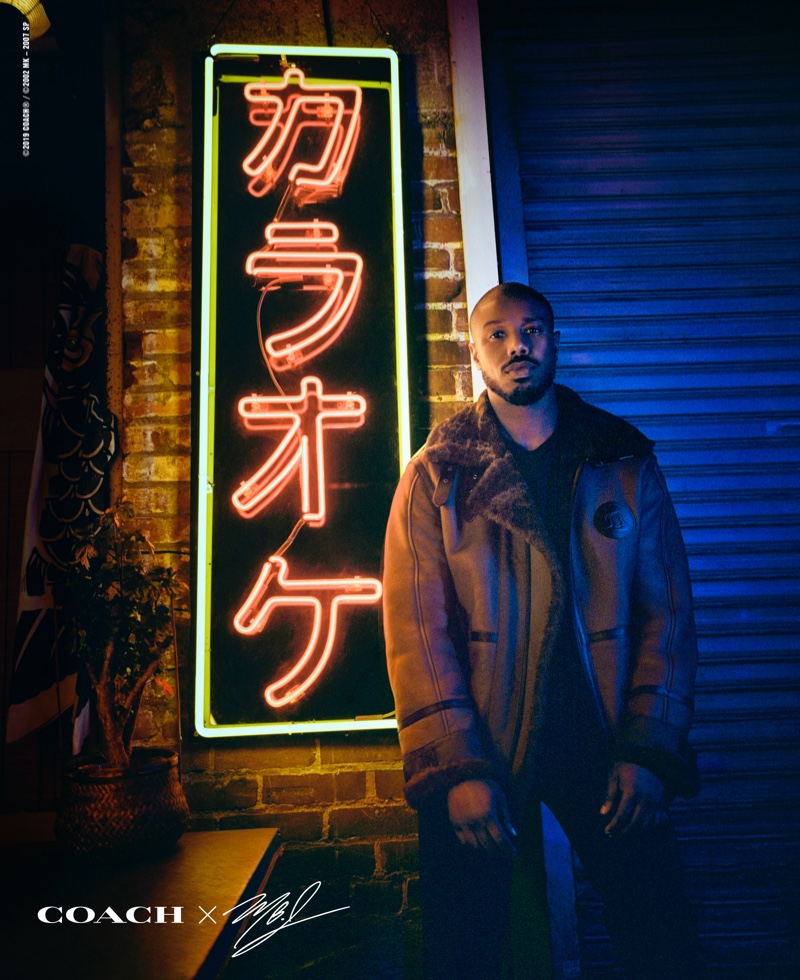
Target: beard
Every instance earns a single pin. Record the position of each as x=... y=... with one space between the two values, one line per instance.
x=528 y=392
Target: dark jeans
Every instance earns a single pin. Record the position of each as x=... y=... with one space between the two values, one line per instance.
x=466 y=894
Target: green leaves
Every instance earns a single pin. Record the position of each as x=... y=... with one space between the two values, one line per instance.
x=116 y=607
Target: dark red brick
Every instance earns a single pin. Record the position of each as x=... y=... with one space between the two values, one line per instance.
x=398 y=856
x=372 y=821
x=349 y=786
x=294 y=825
x=238 y=793
x=309 y=789
x=441 y=381
x=439 y=321
x=270 y=756
x=308 y=862
x=355 y=860
x=431 y=259
x=447 y=352
x=444 y=289
x=203 y=821
x=412 y=893
x=437 y=167
x=377 y=897
x=422 y=197
x=343 y=750
x=461 y=321
x=327 y=861
x=438 y=227
x=389 y=784
x=438 y=137
x=449 y=200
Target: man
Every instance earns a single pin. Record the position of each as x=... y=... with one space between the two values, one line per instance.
x=541 y=646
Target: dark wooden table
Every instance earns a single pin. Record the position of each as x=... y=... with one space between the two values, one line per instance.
x=209 y=872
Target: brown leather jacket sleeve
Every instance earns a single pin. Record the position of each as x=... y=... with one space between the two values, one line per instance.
x=660 y=703
x=435 y=713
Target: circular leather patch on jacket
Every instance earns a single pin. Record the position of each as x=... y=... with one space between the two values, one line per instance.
x=614 y=520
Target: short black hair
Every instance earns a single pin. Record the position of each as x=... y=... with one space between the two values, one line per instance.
x=514 y=290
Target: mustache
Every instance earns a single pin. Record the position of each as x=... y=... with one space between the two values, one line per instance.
x=522 y=359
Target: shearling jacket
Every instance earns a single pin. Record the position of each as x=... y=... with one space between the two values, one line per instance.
x=473 y=596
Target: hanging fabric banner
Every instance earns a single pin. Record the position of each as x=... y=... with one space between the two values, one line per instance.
x=69 y=490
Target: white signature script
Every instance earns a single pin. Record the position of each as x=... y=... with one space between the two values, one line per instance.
x=275 y=911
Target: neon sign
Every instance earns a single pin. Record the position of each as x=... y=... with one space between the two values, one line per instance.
x=311 y=261
x=300 y=149
x=288 y=115
x=255 y=612
x=307 y=417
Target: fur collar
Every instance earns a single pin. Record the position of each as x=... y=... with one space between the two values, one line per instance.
x=472 y=440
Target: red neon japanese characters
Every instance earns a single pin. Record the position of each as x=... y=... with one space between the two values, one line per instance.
x=306 y=417
x=273 y=590
x=305 y=254
x=310 y=135
x=326 y=116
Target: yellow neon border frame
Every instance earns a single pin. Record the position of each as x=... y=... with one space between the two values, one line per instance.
x=205 y=489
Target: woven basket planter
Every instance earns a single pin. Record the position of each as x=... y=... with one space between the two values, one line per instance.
x=109 y=811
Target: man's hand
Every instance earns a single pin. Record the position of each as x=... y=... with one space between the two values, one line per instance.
x=479 y=815
x=634 y=798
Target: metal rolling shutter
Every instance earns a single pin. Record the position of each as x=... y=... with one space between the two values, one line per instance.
x=659 y=158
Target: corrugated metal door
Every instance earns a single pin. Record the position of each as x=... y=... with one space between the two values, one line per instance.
x=658 y=153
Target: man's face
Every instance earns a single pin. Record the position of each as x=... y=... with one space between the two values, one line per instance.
x=515 y=348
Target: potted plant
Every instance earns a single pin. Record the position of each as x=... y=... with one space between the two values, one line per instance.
x=116 y=603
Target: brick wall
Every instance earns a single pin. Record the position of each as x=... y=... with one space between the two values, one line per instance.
x=336 y=798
